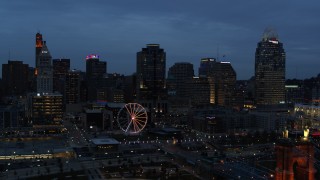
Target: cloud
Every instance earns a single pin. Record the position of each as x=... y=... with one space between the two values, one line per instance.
x=188 y=30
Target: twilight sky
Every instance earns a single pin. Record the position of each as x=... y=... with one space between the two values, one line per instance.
x=187 y=29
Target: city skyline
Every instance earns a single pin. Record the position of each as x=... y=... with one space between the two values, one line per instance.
x=186 y=32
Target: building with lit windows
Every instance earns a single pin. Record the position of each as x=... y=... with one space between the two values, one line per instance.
x=308 y=111
x=72 y=87
x=222 y=80
x=44 y=71
x=45 y=108
x=270 y=60
x=151 y=76
x=110 y=94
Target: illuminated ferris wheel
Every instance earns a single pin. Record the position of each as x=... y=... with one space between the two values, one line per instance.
x=132 y=118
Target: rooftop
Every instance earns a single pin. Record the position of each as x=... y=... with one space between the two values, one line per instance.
x=104 y=141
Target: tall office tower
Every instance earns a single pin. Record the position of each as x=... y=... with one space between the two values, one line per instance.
x=60 y=70
x=94 y=67
x=151 y=72
x=39 y=44
x=95 y=72
x=178 y=74
x=15 y=77
x=222 y=80
x=45 y=108
x=205 y=65
x=198 y=90
x=270 y=60
x=45 y=74
x=72 y=87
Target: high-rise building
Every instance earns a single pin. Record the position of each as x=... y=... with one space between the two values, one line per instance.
x=45 y=108
x=95 y=72
x=15 y=77
x=270 y=70
x=60 y=70
x=39 y=44
x=205 y=66
x=72 y=87
x=222 y=80
x=198 y=90
x=178 y=74
x=95 y=68
x=151 y=72
x=45 y=73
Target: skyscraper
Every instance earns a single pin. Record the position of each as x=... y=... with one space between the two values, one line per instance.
x=45 y=74
x=198 y=91
x=95 y=72
x=205 y=65
x=39 y=44
x=178 y=74
x=60 y=70
x=222 y=80
x=270 y=70
x=94 y=67
x=151 y=72
x=72 y=87
x=15 y=77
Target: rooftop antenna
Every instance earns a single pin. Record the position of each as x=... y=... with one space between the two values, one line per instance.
x=223 y=57
x=9 y=55
x=218 y=53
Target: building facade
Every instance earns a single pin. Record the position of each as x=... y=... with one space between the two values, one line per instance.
x=95 y=72
x=45 y=108
x=151 y=84
x=222 y=80
x=94 y=67
x=72 y=87
x=198 y=91
x=45 y=72
x=11 y=116
x=15 y=77
x=60 y=69
x=39 y=44
x=270 y=60
x=178 y=74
